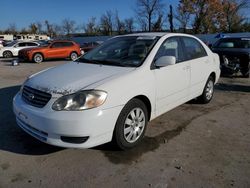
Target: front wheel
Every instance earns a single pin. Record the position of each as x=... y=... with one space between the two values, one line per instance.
x=208 y=91
x=7 y=54
x=73 y=56
x=131 y=124
x=38 y=58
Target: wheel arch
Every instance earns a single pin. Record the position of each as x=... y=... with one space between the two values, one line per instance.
x=8 y=51
x=213 y=75
x=147 y=102
x=37 y=53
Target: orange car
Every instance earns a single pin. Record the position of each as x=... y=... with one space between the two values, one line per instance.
x=56 y=49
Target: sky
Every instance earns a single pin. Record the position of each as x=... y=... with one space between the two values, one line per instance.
x=24 y=12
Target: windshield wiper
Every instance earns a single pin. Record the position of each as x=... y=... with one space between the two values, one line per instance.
x=110 y=62
x=83 y=60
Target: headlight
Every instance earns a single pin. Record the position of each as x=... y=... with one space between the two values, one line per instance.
x=80 y=101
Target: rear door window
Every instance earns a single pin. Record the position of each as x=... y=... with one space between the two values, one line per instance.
x=57 y=45
x=67 y=44
x=31 y=44
x=21 y=44
x=193 y=48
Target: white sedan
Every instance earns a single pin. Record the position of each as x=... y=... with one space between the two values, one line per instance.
x=112 y=92
x=13 y=48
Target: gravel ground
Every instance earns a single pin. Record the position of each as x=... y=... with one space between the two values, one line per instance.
x=191 y=146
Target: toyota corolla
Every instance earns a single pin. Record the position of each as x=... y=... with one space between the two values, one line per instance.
x=112 y=92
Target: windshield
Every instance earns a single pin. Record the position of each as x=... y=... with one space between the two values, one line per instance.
x=233 y=43
x=127 y=51
x=11 y=44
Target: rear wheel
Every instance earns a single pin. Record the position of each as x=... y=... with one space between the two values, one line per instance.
x=38 y=58
x=7 y=54
x=208 y=91
x=131 y=124
x=73 y=56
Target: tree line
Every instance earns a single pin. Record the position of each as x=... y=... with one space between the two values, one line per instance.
x=190 y=16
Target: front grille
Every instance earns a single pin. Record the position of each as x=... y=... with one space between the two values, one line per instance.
x=35 y=97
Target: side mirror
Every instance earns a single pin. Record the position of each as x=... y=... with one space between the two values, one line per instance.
x=165 y=61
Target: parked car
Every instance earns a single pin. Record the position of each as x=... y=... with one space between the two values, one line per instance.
x=87 y=46
x=55 y=49
x=13 y=48
x=234 y=55
x=114 y=90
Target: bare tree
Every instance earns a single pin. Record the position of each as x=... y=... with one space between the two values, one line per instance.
x=91 y=27
x=157 y=26
x=106 y=22
x=68 y=26
x=147 y=10
x=53 y=30
x=183 y=17
x=129 y=25
x=170 y=19
x=119 y=24
x=39 y=26
x=11 y=29
x=232 y=11
x=24 y=31
x=33 y=28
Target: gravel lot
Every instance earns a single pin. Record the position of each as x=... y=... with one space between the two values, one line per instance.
x=191 y=146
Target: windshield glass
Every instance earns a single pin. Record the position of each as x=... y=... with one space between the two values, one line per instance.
x=233 y=43
x=127 y=51
x=11 y=44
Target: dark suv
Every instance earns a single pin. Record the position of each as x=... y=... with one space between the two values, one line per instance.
x=234 y=55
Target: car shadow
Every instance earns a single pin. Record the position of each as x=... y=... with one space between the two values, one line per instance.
x=12 y=138
x=232 y=87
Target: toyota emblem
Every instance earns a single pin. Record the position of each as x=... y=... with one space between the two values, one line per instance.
x=31 y=96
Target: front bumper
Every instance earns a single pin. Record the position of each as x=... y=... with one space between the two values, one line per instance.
x=50 y=126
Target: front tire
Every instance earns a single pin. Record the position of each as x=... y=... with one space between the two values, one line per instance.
x=73 y=56
x=7 y=54
x=208 y=91
x=38 y=58
x=131 y=124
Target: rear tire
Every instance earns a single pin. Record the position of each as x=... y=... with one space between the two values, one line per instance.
x=7 y=54
x=38 y=58
x=208 y=91
x=131 y=125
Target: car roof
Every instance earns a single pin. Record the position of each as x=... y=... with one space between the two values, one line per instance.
x=236 y=38
x=152 y=34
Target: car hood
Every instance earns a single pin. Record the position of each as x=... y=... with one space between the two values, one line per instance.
x=72 y=77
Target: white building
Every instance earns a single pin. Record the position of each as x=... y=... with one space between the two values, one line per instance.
x=24 y=37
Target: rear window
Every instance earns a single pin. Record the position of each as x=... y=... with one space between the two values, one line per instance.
x=233 y=43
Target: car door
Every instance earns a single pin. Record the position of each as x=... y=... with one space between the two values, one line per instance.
x=172 y=82
x=56 y=50
x=17 y=47
x=197 y=56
